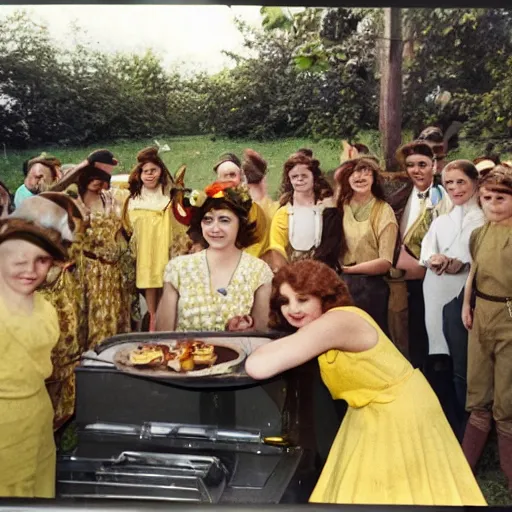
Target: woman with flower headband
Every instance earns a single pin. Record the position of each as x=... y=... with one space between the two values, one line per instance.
x=394 y=445
x=489 y=322
x=369 y=236
x=221 y=287
x=308 y=224
x=157 y=234
x=29 y=329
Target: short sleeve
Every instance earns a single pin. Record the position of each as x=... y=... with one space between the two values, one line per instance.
x=473 y=242
x=266 y=274
x=279 y=231
x=387 y=233
x=172 y=274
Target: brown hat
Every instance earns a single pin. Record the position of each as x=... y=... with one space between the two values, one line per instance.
x=416 y=147
x=498 y=179
x=67 y=203
x=73 y=175
x=254 y=166
x=102 y=156
x=227 y=157
x=47 y=239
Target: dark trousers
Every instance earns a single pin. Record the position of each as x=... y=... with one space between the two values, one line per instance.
x=457 y=338
x=418 y=338
x=371 y=294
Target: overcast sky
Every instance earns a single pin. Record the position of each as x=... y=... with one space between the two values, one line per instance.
x=195 y=34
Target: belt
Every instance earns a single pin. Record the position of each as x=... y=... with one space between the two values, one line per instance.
x=93 y=256
x=492 y=298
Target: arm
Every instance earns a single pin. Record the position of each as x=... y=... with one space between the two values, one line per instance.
x=376 y=267
x=412 y=267
x=467 y=313
x=166 y=313
x=341 y=330
x=260 y=308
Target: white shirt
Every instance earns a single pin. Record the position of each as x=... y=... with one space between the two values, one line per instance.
x=412 y=210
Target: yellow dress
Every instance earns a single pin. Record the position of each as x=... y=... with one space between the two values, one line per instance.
x=395 y=445
x=27 y=448
x=155 y=237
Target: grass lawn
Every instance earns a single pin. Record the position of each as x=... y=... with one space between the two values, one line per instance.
x=200 y=154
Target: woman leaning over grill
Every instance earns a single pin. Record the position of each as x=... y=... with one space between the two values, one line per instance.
x=221 y=287
x=394 y=445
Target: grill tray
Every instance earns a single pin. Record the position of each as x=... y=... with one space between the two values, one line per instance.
x=144 y=475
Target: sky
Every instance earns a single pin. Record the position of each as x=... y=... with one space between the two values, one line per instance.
x=190 y=36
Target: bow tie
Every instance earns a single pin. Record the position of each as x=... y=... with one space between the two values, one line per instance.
x=423 y=195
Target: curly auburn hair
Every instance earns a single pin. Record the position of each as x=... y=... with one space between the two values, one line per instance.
x=308 y=277
x=144 y=156
x=343 y=173
x=321 y=186
x=233 y=201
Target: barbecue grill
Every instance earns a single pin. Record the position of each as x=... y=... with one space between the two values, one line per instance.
x=217 y=439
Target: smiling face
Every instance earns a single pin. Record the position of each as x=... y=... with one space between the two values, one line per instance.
x=497 y=205
x=420 y=169
x=220 y=228
x=150 y=175
x=361 y=180
x=301 y=178
x=459 y=186
x=298 y=309
x=23 y=266
x=229 y=171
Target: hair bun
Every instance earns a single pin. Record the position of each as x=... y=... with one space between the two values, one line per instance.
x=147 y=154
x=254 y=166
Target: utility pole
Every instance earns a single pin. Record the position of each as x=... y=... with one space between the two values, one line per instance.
x=390 y=115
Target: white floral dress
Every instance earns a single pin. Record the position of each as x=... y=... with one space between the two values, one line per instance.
x=200 y=308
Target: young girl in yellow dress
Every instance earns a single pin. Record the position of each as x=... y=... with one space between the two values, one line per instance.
x=29 y=330
x=395 y=445
x=156 y=233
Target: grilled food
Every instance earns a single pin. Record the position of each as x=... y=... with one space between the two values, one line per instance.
x=148 y=355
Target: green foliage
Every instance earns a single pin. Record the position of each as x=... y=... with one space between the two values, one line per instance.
x=464 y=52
x=314 y=73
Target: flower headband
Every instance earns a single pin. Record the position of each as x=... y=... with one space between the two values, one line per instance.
x=237 y=196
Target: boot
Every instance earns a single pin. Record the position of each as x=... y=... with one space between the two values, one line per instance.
x=505 y=451
x=473 y=444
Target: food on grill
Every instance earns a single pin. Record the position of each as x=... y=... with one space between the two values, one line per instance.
x=149 y=354
x=184 y=356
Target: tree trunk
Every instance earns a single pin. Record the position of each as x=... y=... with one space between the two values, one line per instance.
x=390 y=120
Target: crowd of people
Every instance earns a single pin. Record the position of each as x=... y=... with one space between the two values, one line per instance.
x=397 y=282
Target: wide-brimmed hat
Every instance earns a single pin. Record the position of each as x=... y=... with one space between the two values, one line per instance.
x=85 y=168
x=47 y=239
